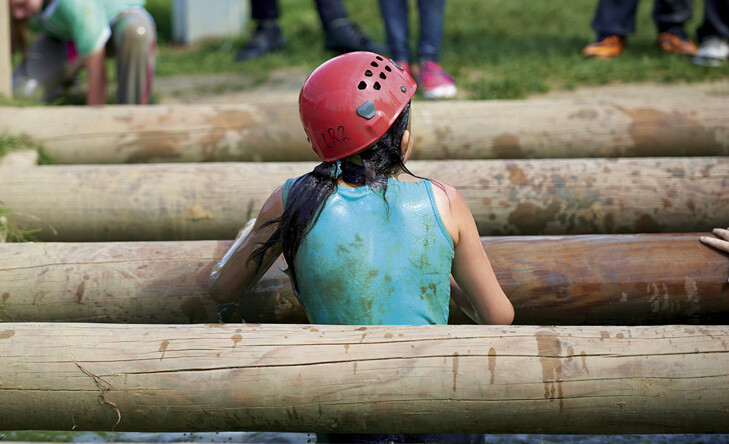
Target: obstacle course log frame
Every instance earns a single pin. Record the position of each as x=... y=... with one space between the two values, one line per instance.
x=455 y=130
x=519 y=197
x=6 y=77
x=486 y=379
x=604 y=279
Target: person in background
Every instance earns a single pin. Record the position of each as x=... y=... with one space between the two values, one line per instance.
x=615 y=19
x=18 y=35
x=366 y=241
x=341 y=35
x=714 y=34
x=80 y=34
x=434 y=81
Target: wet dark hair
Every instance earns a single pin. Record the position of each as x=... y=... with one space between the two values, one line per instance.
x=308 y=195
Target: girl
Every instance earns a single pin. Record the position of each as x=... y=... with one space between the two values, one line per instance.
x=364 y=247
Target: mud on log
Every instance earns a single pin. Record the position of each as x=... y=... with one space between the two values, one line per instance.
x=667 y=379
x=518 y=197
x=605 y=279
x=455 y=130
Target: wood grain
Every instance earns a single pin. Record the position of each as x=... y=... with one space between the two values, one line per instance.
x=665 y=379
x=501 y=129
x=559 y=280
x=520 y=197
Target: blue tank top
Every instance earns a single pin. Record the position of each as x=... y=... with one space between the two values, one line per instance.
x=371 y=262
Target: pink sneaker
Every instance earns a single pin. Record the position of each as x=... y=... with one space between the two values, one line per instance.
x=436 y=83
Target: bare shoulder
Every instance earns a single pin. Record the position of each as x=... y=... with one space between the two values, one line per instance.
x=446 y=196
x=274 y=205
x=450 y=206
x=444 y=191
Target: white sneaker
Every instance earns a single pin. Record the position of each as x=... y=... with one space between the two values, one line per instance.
x=714 y=51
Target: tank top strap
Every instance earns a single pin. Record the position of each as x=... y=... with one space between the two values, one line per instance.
x=436 y=212
x=287 y=186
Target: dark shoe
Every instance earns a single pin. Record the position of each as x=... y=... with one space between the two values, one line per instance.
x=669 y=42
x=263 y=41
x=347 y=37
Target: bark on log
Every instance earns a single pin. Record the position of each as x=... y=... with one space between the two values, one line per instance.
x=454 y=130
x=518 y=197
x=498 y=379
x=598 y=280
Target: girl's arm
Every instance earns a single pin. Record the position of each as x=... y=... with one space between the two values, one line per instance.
x=460 y=298
x=235 y=274
x=471 y=269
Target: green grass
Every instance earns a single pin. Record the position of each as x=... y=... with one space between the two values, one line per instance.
x=531 y=47
x=10 y=142
x=10 y=232
x=496 y=49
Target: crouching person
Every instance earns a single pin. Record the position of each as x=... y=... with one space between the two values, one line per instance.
x=80 y=34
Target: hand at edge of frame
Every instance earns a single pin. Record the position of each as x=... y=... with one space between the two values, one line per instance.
x=721 y=242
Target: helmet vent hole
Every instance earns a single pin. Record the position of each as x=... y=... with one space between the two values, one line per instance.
x=383 y=76
x=379 y=58
x=374 y=64
x=362 y=85
x=368 y=73
x=388 y=69
x=376 y=86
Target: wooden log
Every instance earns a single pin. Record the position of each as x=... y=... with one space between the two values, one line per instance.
x=6 y=76
x=497 y=379
x=519 y=197
x=570 y=280
x=534 y=128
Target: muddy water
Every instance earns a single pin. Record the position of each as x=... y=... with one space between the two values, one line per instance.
x=304 y=438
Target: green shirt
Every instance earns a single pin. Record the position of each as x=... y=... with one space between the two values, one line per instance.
x=84 y=22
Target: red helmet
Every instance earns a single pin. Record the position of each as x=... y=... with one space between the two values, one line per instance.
x=350 y=101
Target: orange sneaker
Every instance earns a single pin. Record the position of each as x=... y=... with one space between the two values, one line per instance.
x=606 y=48
x=672 y=43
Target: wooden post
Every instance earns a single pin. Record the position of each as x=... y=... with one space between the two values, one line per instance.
x=520 y=197
x=560 y=280
x=483 y=379
x=6 y=80
x=506 y=129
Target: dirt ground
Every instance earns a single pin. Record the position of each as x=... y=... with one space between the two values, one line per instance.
x=284 y=86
